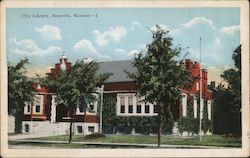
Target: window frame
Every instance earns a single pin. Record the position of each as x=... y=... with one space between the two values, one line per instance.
x=155 y=110
x=38 y=102
x=122 y=109
x=79 y=127
x=27 y=128
x=147 y=112
x=139 y=105
x=130 y=109
x=91 y=128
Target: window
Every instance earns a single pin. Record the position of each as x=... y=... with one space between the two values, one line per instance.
x=81 y=108
x=91 y=106
x=130 y=104
x=27 y=128
x=130 y=109
x=122 y=108
x=28 y=108
x=130 y=100
x=184 y=104
x=79 y=129
x=138 y=108
x=38 y=104
x=91 y=129
x=122 y=101
x=195 y=108
x=38 y=108
x=155 y=109
x=146 y=109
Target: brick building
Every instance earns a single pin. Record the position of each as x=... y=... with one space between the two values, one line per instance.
x=44 y=116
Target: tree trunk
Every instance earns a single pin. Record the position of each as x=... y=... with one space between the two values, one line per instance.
x=19 y=119
x=159 y=135
x=70 y=127
x=70 y=131
x=18 y=122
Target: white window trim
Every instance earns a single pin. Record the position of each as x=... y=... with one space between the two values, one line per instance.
x=184 y=104
x=209 y=106
x=202 y=108
x=78 y=112
x=95 y=103
x=195 y=107
x=77 y=129
x=26 y=107
x=135 y=97
x=91 y=131
x=39 y=99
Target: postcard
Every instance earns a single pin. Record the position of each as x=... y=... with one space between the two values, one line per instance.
x=124 y=78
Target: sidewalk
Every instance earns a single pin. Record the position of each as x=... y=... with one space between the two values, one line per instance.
x=26 y=136
x=120 y=145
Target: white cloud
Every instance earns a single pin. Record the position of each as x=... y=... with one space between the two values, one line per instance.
x=198 y=21
x=133 y=52
x=217 y=41
x=85 y=45
x=135 y=25
x=119 y=50
x=88 y=50
x=30 y=48
x=230 y=29
x=50 y=32
x=112 y=34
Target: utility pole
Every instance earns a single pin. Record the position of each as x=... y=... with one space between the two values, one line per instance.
x=200 y=94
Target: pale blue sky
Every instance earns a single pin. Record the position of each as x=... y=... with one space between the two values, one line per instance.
x=116 y=34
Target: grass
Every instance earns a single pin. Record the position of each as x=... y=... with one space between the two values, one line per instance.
x=214 y=140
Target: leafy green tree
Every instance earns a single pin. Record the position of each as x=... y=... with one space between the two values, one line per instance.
x=20 y=90
x=110 y=119
x=227 y=99
x=160 y=75
x=233 y=78
x=75 y=86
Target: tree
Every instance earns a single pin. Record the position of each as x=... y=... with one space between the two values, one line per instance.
x=160 y=75
x=75 y=87
x=233 y=78
x=20 y=90
x=227 y=99
x=110 y=119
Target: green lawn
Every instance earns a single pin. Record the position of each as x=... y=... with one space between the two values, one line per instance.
x=215 y=140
